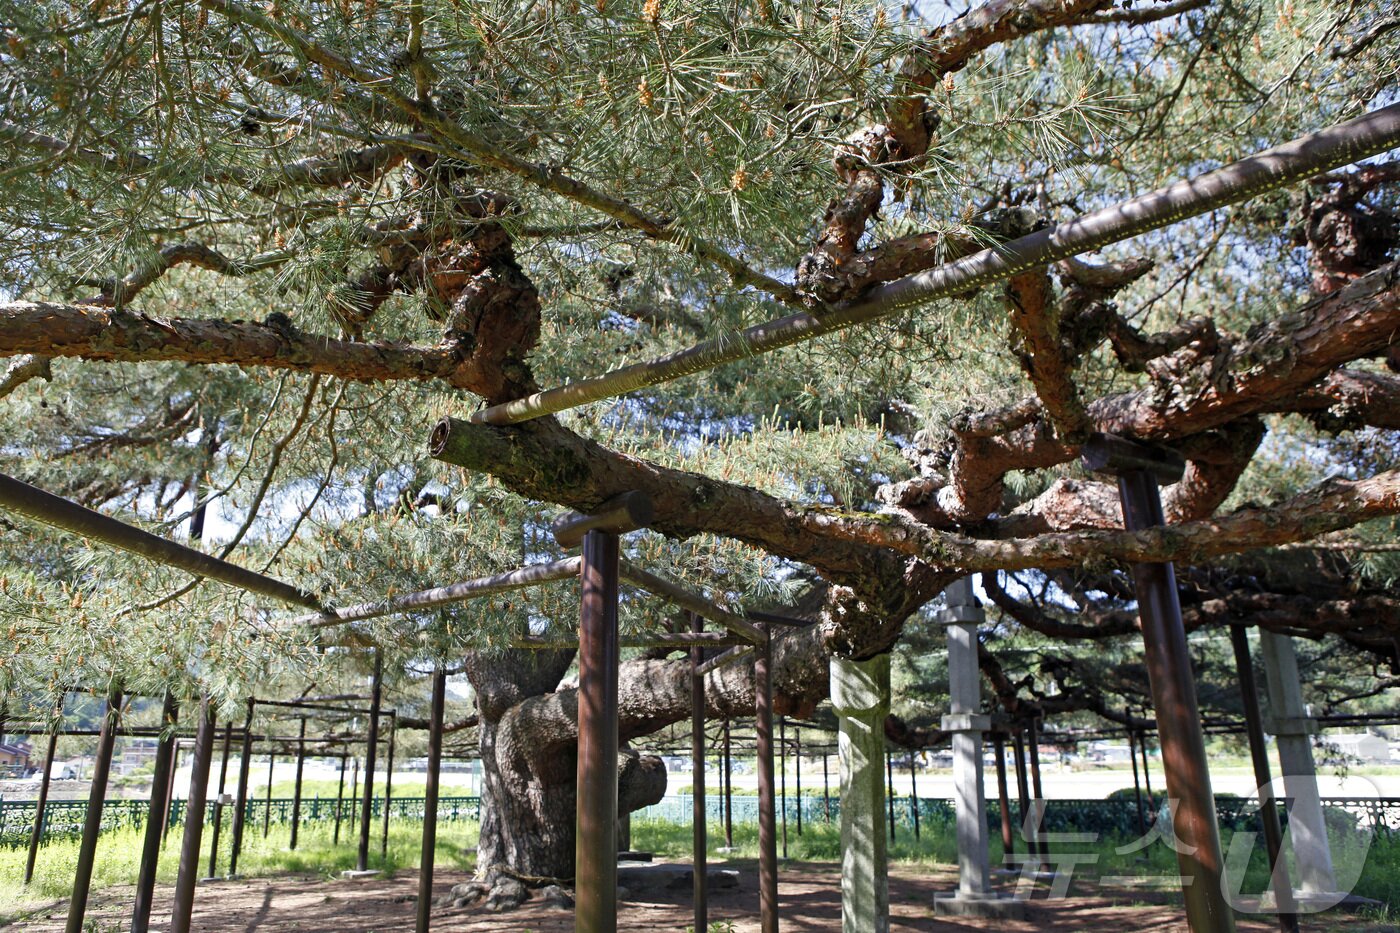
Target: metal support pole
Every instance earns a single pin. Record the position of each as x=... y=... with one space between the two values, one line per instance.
x=1137 y=783
x=889 y=782
x=914 y=793
x=1259 y=755
x=37 y=833
x=1146 y=772
x=1139 y=468
x=797 y=754
x=296 y=784
x=430 y=800
x=92 y=822
x=267 y=809
x=376 y=696
x=1008 y=836
x=728 y=799
x=388 y=785
x=782 y=777
x=194 y=820
x=339 y=801
x=699 y=860
x=595 y=856
x=240 y=814
x=1037 y=790
x=1023 y=790
x=219 y=803
x=826 y=786
x=155 y=819
x=767 y=837
x=170 y=791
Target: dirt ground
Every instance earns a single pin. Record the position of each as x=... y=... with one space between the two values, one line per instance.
x=809 y=896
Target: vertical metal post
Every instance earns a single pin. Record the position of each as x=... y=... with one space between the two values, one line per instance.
x=595 y=854
x=155 y=820
x=170 y=791
x=797 y=754
x=914 y=793
x=339 y=801
x=40 y=806
x=1146 y=772
x=728 y=799
x=699 y=859
x=1137 y=783
x=388 y=785
x=1008 y=837
x=826 y=786
x=1173 y=685
x=194 y=820
x=267 y=810
x=219 y=802
x=92 y=822
x=782 y=777
x=240 y=814
x=430 y=800
x=1023 y=789
x=889 y=782
x=1259 y=755
x=767 y=835
x=1037 y=790
x=376 y=694
x=296 y=784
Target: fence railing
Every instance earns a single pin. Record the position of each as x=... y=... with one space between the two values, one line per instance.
x=64 y=818
x=1112 y=816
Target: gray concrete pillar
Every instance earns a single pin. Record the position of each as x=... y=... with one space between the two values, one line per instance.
x=860 y=694
x=1293 y=730
x=961 y=617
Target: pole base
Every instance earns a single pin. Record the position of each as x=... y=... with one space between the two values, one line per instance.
x=991 y=904
x=354 y=875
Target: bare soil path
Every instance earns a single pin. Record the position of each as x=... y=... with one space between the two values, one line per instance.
x=809 y=895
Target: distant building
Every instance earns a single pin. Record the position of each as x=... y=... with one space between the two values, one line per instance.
x=135 y=753
x=14 y=757
x=1356 y=746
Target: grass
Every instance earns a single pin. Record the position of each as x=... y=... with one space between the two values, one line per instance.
x=119 y=856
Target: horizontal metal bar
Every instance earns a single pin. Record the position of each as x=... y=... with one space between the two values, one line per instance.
x=1291 y=162
x=776 y=619
x=720 y=660
x=694 y=602
x=532 y=575
x=35 y=503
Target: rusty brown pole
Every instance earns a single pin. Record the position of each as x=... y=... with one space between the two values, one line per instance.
x=1139 y=468
x=376 y=696
x=595 y=857
x=914 y=793
x=339 y=801
x=1259 y=755
x=1023 y=791
x=267 y=810
x=194 y=820
x=1008 y=837
x=797 y=754
x=728 y=799
x=1137 y=783
x=430 y=801
x=1146 y=773
x=92 y=821
x=155 y=819
x=782 y=777
x=219 y=802
x=36 y=834
x=1037 y=790
x=170 y=791
x=826 y=786
x=388 y=785
x=889 y=782
x=767 y=831
x=699 y=862
x=240 y=813
x=296 y=784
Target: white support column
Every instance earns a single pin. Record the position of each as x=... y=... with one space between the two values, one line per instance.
x=860 y=693
x=1293 y=730
x=974 y=897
